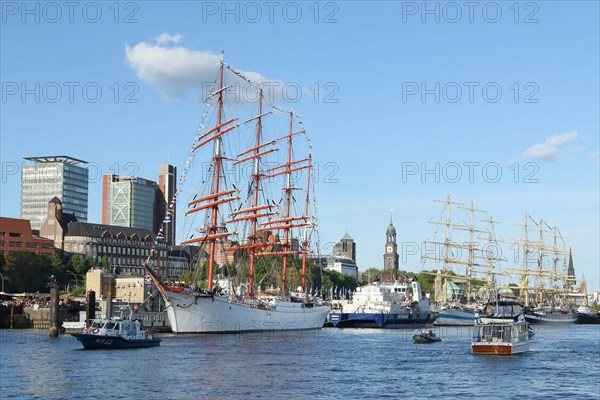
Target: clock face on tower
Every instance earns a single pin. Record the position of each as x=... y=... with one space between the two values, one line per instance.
x=390 y=249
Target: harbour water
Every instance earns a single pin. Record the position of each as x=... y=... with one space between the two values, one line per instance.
x=342 y=363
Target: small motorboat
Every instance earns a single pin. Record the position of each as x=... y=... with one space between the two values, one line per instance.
x=116 y=333
x=427 y=337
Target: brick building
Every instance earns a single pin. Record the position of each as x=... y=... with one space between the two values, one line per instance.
x=124 y=247
x=16 y=235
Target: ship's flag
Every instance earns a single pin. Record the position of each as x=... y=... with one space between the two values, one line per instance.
x=487 y=308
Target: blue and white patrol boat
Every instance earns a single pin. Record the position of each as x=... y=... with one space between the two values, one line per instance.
x=116 y=333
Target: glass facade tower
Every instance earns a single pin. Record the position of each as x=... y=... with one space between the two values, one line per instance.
x=53 y=176
x=129 y=201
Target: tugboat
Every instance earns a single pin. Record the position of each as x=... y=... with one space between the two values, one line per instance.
x=116 y=333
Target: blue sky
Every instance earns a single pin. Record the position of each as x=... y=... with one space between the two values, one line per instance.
x=390 y=89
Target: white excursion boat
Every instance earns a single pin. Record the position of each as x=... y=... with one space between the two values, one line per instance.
x=249 y=227
x=502 y=332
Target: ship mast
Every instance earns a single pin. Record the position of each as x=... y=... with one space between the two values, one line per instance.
x=256 y=181
x=288 y=205
x=490 y=278
x=215 y=198
x=447 y=244
x=540 y=263
x=217 y=161
x=288 y=222
x=525 y=283
x=306 y=229
x=252 y=213
x=471 y=247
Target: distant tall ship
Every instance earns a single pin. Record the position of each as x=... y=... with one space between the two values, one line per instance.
x=544 y=286
x=458 y=306
x=269 y=230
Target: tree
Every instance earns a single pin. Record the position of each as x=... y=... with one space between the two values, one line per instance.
x=57 y=268
x=105 y=265
x=88 y=264
x=28 y=272
x=370 y=275
x=2 y=262
x=77 y=265
x=333 y=279
x=427 y=282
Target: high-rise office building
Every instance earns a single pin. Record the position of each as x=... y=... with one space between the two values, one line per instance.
x=129 y=201
x=167 y=183
x=53 y=176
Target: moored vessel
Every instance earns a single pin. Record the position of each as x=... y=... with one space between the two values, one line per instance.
x=543 y=288
x=247 y=225
x=458 y=298
x=116 y=333
x=550 y=315
x=383 y=305
x=587 y=315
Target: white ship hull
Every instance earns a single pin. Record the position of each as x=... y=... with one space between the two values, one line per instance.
x=494 y=348
x=191 y=312
x=454 y=317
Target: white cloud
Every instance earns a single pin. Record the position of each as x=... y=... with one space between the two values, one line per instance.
x=595 y=154
x=165 y=38
x=557 y=140
x=543 y=152
x=550 y=149
x=178 y=71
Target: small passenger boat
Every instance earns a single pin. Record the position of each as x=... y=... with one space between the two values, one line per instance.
x=503 y=332
x=116 y=333
x=427 y=337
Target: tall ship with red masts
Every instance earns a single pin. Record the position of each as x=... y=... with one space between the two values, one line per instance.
x=256 y=208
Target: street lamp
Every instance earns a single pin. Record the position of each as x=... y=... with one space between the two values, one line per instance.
x=2 y=282
x=72 y=273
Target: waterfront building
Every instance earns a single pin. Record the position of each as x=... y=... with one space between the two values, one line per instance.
x=167 y=184
x=48 y=177
x=343 y=265
x=125 y=248
x=343 y=259
x=390 y=257
x=130 y=201
x=345 y=248
x=125 y=288
x=16 y=235
x=182 y=259
x=135 y=202
x=55 y=223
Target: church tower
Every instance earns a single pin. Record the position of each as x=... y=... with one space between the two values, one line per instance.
x=570 y=272
x=390 y=257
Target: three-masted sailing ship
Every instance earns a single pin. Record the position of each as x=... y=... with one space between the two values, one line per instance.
x=251 y=224
x=457 y=299
x=544 y=288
